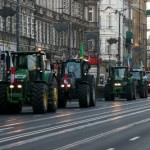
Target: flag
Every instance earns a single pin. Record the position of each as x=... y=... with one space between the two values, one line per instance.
x=65 y=79
x=81 y=51
x=12 y=71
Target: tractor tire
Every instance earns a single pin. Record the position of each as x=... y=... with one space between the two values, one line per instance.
x=90 y=79
x=142 y=91
x=39 y=98
x=53 y=96
x=134 y=92
x=4 y=104
x=146 y=91
x=129 y=92
x=107 y=93
x=62 y=101
x=84 y=95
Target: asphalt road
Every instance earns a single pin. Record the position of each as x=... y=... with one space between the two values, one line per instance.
x=118 y=125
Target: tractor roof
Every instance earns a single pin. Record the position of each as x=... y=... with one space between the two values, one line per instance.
x=28 y=52
x=116 y=67
x=136 y=70
x=76 y=60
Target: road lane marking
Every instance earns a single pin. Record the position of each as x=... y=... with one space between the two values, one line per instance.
x=11 y=120
x=111 y=149
x=83 y=120
x=3 y=129
x=69 y=114
x=135 y=138
x=77 y=143
x=67 y=131
x=37 y=116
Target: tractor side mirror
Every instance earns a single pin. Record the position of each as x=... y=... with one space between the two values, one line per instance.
x=47 y=65
x=130 y=74
x=89 y=66
x=107 y=70
x=52 y=66
x=2 y=56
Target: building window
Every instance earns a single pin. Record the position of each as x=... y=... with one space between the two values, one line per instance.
x=109 y=21
x=91 y=14
x=91 y=45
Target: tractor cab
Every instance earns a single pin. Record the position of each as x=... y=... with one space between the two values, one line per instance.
x=119 y=73
x=32 y=62
x=76 y=67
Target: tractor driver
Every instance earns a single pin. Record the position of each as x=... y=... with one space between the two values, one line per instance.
x=23 y=63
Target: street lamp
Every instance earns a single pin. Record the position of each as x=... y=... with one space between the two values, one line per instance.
x=119 y=36
x=18 y=24
x=70 y=30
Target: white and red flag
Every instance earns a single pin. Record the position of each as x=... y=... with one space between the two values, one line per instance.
x=12 y=71
x=65 y=79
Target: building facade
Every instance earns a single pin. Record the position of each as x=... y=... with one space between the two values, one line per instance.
x=111 y=14
x=126 y=22
x=55 y=26
x=139 y=23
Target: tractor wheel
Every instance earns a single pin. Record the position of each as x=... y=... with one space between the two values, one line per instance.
x=146 y=91
x=39 y=98
x=62 y=101
x=108 y=96
x=53 y=96
x=4 y=105
x=84 y=95
x=142 y=91
x=134 y=92
x=91 y=81
x=129 y=92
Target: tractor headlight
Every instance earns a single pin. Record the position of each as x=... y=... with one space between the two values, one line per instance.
x=117 y=84
x=68 y=85
x=11 y=86
x=19 y=86
x=62 y=85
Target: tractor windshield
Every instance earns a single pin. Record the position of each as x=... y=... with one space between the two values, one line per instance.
x=24 y=61
x=136 y=75
x=147 y=74
x=73 y=67
x=120 y=73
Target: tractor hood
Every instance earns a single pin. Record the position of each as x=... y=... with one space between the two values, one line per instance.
x=22 y=74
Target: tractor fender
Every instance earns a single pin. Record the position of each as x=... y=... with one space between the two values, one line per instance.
x=50 y=78
x=84 y=82
x=40 y=81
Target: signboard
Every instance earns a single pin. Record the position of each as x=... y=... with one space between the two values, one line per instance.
x=94 y=60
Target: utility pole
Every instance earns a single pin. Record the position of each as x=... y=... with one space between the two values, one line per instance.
x=119 y=40
x=99 y=45
x=70 y=31
x=18 y=24
x=119 y=36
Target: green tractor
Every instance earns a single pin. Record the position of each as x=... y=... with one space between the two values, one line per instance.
x=120 y=84
x=28 y=80
x=141 y=82
x=76 y=83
